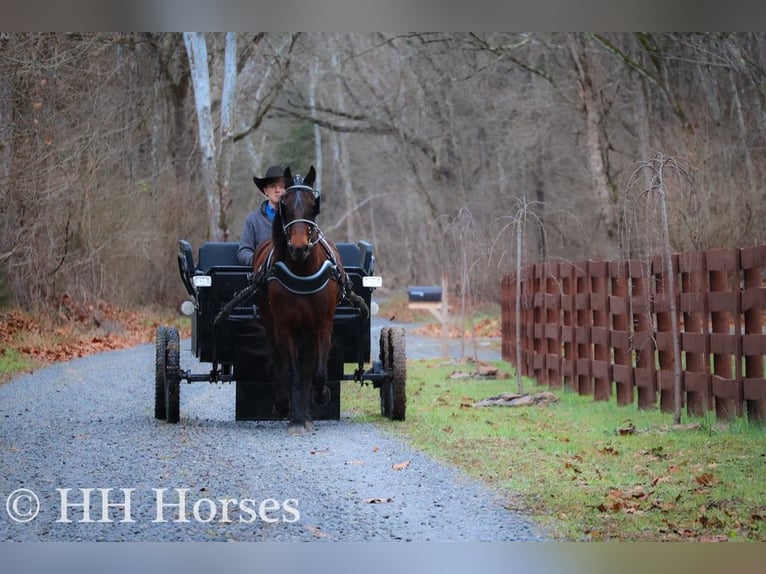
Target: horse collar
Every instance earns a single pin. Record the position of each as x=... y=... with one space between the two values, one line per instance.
x=301 y=284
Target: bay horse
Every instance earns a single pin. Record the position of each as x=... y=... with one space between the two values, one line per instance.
x=301 y=280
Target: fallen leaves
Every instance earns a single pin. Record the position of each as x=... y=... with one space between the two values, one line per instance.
x=75 y=330
x=489 y=327
x=628 y=501
x=482 y=371
x=518 y=400
x=401 y=465
x=706 y=479
x=627 y=428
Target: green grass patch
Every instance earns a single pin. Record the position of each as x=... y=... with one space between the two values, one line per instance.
x=12 y=362
x=587 y=470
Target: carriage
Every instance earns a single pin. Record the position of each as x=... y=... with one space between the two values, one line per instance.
x=227 y=333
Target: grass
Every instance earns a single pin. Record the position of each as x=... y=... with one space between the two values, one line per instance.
x=587 y=470
x=12 y=363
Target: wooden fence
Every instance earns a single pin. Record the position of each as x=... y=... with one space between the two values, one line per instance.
x=604 y=328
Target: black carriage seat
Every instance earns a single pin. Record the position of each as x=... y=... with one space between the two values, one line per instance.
x=350 y=255
x=217 y=254
x=356 y=256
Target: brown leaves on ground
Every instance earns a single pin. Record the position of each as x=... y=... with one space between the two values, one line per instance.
x=482 y=328
x=69 y=330
x=628 y=501
x=543 y=398
x=481 y=371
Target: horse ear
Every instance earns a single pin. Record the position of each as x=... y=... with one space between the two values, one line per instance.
x=288 y=175
x=310 y=177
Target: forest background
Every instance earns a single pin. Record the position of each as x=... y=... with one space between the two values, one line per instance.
x=426 y=144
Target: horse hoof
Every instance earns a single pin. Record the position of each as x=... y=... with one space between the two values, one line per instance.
x=321 y=399
x=309 y=426
x=295 y=429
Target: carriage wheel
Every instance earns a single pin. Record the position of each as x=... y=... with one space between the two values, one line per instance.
x=160 y=359
x=172 y=376
x=385 y=386
x=399 y=369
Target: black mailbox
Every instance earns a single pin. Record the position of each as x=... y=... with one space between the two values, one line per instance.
x=425 y=294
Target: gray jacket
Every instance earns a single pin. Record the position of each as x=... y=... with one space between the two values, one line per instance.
x=257 y=229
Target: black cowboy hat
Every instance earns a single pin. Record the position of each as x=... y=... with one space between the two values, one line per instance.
x=273 y=173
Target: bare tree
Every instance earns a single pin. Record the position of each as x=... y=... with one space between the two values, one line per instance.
x=215 y=151
x=656 y=195
x=605 y=198
x=102 y=147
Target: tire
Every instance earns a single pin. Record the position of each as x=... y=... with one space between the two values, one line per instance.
x=399 y=376
x=172 y=376
x=385 y=385
x=160 y=359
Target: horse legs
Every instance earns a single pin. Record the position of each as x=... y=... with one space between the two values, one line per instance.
x=300 y=419
x=280 y=385
x=300 y=396
x=321 y=393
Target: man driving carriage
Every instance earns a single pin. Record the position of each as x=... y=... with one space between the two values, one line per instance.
x=258 y=223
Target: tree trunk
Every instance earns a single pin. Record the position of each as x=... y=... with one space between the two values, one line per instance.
x=341 y=160
x=594 y=140
x=196 y=49
x=519 y=251
x=228 y=98
x=317 y=130
x=743 y=207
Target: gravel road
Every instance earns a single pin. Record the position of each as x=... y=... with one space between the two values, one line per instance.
x=87 y=425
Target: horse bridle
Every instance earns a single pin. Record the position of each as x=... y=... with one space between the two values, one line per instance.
x=313 y=227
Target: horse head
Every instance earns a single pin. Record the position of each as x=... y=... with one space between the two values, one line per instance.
x=298 y=208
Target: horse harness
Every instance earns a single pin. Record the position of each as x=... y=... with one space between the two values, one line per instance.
x=299 y=284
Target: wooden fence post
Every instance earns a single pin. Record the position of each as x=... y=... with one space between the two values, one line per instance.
x=552 y=327
x=508 y=305
x=695 y=340
x=528 y=325
x=645 y=371
x=569 y=362
x=664 y=336
x=538 y=365
x=583 y=324
x=619 y=339
x=723 y=302
x=753 y=261
x=601 y=365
